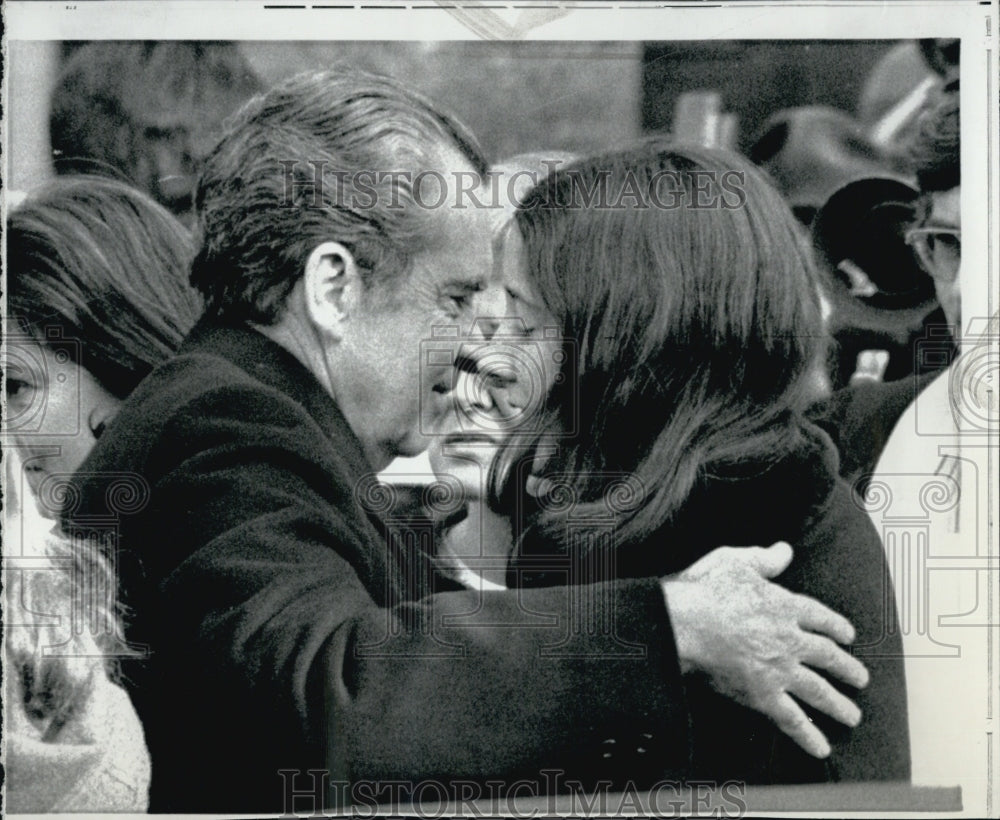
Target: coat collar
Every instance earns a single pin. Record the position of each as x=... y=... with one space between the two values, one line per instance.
x=750 y=503
x=271 y=364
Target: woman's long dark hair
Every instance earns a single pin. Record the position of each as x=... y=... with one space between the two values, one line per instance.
x=692 y=328
x=103 y=264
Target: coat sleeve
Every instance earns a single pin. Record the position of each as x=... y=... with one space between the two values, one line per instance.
x=276 y=586
x=843 y=564
x=860 y=418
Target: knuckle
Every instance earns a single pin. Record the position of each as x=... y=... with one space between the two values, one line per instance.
x=792 y=639
x=802 y=605
x=785 y=721
x=832 y=654
x=814 y=688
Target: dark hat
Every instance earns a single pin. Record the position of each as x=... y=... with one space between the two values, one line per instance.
x=874 y=280
x=811 y=151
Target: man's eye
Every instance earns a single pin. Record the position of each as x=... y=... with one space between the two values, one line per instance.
x=458 y=303
x=945 y=242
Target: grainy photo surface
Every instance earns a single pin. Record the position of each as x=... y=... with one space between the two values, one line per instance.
x=466 y=409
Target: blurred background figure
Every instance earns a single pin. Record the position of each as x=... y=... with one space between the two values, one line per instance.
x=862 y=416
x=850 y=179
x=146 y=112
x=936 y=235
x=811 y=150
x=933 y=448
x=898 y=88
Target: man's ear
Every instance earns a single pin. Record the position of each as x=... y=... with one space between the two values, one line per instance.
x=332 y=287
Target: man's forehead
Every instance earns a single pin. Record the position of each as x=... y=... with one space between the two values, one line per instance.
x=463 y=247
x=464 y=215
x=510 y=270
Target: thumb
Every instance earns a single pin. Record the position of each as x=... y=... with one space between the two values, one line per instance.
x=770 y=561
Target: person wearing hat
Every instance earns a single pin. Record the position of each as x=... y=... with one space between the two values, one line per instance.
x=862 y=416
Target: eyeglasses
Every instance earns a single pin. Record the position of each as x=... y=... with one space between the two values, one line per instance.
x=939 y=250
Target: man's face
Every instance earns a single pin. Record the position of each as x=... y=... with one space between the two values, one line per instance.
x=399 y=379
x=946 y=213
x=936 y=238
x=503 y=383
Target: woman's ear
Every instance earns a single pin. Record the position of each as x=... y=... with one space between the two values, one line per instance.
x=332 y=287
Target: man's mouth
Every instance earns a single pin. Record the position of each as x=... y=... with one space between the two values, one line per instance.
x=471 y=438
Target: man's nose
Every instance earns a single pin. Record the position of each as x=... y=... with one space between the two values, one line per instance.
x=491 y=307
x=473 y=397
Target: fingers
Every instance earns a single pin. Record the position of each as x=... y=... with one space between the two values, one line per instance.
x=822 y=653
x=766 y=561
x=769 y=561
x=789 y=717
x=817 y=617
x=819 y=693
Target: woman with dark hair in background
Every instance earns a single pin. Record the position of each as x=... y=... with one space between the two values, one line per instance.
x=691 y=335
x=97 y=292
x=96 y=296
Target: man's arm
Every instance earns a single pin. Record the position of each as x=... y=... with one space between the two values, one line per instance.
x=281 y=594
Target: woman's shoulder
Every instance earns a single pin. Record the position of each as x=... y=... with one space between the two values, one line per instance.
x=795 y=495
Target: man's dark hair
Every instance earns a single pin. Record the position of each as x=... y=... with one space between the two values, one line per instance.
x=934 y=153
x=314 y=160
